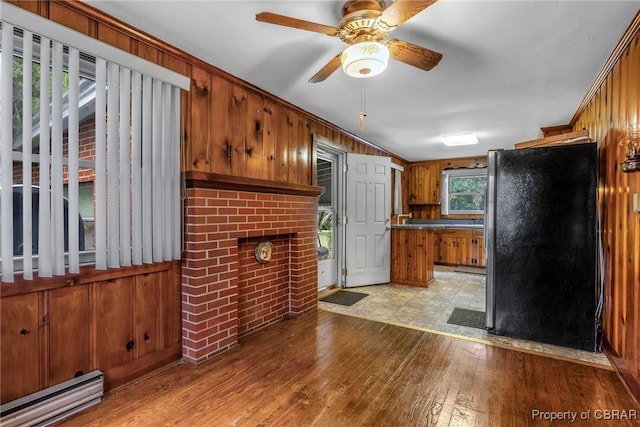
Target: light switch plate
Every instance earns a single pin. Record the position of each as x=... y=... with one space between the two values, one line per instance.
x=636 y=202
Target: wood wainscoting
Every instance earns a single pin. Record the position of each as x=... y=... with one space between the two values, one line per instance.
x=611 y=104
x=124 y=322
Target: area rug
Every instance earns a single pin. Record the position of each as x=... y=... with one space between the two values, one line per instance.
x=471 y=318
x=344 y=297
x=470 y=270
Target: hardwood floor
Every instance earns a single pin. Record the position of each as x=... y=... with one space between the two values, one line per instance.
x=326 y=369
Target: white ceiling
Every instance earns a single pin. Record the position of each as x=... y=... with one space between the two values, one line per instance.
x=508 y=67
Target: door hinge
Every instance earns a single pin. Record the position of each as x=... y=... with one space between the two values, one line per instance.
x=345 y=168
x=344 y=271
x=345 y=220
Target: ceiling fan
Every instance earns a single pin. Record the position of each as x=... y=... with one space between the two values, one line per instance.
x=364 y=26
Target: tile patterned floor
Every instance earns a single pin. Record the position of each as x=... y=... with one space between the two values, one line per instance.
x=429 y=309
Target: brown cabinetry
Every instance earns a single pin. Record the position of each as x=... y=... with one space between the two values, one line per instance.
x=412 y=256
x=461 y=247
x=424 y=183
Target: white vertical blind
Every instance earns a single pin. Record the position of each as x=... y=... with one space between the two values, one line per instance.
x=6 y=164
x=73 y=138
x=156 y=170
x=100 y=212
x=57 y=195
x=137 y=208
x=147 y=177
x=113 y=174
x=27 y=123
x=125 y=167
x=45 y=268
x=136 y=168
x=176 y=196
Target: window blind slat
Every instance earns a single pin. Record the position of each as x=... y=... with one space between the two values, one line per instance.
x=73 y=140
x=45 y=268
x=167 y=176
x=57 y=194
x=136 y=168
x=156 y=171
x=176 y=225
x=147 y=139
x=125 y=167
x=100 y=214
x=113 y=217
x=6 y=117
x=27 y=169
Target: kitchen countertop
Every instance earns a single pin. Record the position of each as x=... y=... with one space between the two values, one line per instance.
x=421 y=224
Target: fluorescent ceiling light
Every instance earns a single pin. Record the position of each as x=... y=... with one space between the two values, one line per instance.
x=461 y=139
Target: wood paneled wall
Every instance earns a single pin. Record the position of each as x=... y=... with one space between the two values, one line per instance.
x=615 y=102
x=229 y=127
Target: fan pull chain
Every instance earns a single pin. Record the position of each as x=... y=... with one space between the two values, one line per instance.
x=363 y=104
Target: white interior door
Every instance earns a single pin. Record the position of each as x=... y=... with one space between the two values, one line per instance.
x=368 y=232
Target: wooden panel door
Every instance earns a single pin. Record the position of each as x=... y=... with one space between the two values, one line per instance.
x=147 y=331
x=19 y=351
x=69 y=333
x=113 y=308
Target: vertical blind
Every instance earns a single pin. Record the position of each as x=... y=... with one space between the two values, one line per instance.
x=137 y=150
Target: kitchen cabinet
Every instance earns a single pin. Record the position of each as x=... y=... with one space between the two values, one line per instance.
x=412 y=256
x=461 y=247
x=424 y=183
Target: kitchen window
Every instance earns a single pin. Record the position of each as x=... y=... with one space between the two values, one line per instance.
x=463 y=191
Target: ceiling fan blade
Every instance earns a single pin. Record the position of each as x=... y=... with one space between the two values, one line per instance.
x=286 y=21
x=412 y=54
x=401 y=11
x=327 y=70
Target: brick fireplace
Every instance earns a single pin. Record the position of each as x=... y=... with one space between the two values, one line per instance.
x=226 y=292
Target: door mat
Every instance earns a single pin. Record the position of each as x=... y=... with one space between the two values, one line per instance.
x=344 y=297
x=470 y=270
x=470 y=318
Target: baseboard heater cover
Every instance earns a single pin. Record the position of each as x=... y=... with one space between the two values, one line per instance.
x=50 y=405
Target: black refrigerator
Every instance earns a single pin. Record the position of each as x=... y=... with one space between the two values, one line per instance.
x=541 y=243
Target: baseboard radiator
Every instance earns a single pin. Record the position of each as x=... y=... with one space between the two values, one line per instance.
x=54 y=403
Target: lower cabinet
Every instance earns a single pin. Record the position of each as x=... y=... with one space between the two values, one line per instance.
x=461 y=246
x=412 y=256
x=125 y=327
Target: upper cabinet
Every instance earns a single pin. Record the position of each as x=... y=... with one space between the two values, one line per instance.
x=424 y=183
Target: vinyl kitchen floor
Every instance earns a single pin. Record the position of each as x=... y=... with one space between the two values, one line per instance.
x=429 y=309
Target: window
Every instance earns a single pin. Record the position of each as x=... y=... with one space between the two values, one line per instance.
x=463 y=191
x=93 y=135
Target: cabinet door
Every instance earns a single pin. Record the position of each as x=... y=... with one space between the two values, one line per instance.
x=69 y=333
x=433 y=190
x=114 y=324
x=448 y=253
x=419 y=184
x=19 y=351
x=147 y=337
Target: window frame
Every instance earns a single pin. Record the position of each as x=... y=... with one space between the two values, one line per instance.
x=445 y=194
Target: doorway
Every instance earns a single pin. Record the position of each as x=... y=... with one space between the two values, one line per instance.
x=330 y=229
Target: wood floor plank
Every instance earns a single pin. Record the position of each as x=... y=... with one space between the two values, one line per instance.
x=326 y=369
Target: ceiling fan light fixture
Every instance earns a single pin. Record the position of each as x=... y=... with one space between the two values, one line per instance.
x=460 y=139
x=365 y=59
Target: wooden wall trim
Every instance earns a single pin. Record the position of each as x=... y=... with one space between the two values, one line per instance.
x=237 y=183
x=98 y=15
x=632 y=383
x=88 y=274
x=613 y=59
